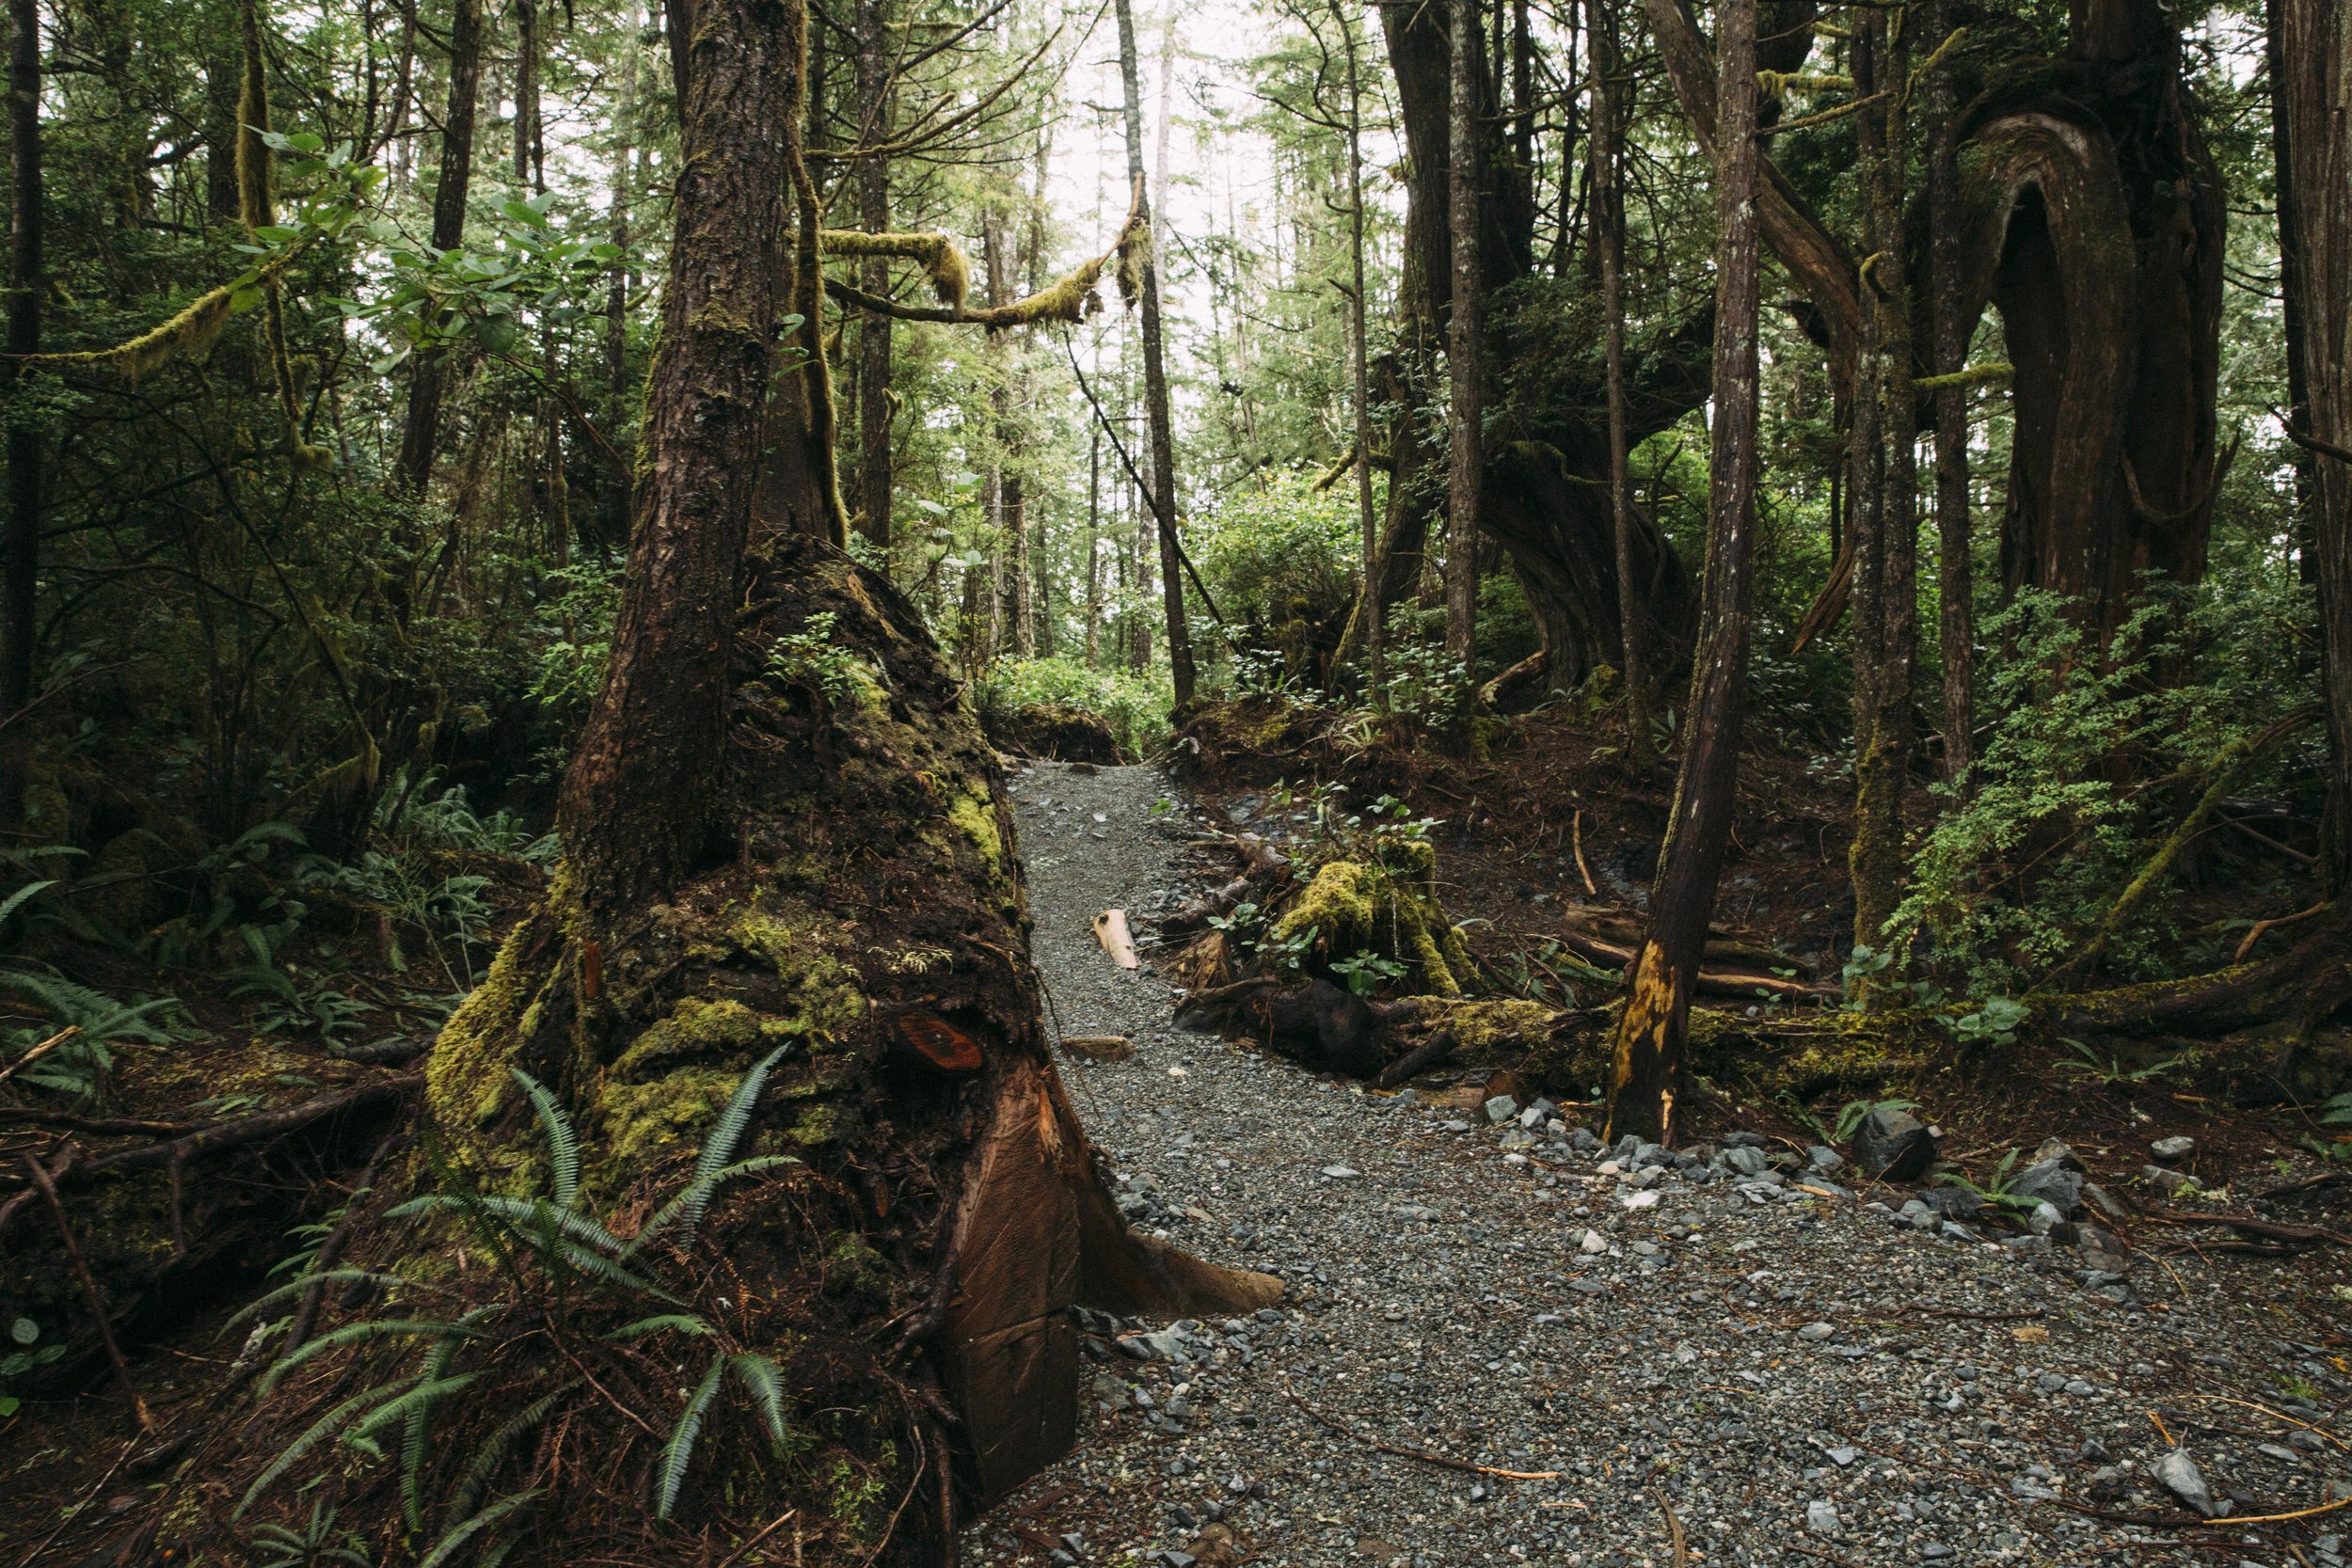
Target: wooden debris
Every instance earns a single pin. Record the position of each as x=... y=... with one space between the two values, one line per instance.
x=1110 y=929
x=1099 y=1048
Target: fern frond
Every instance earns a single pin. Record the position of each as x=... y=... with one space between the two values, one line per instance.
x=597 y=1266
x=727 y=1132
x=681 y=1323
x=418 y=1399
x=493 y=1451
x=460 y=1533
x=371 y=1328
x=311 y=1436
x=679 y=1450
x=563 y=1143
x=525 y=1215
x=698 y=1194
x=434 y=1370
x=764 y=1381
x=324 y=1277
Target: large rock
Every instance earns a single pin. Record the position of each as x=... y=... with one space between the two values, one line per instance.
x=1893 y=1146
x=2050 y=1181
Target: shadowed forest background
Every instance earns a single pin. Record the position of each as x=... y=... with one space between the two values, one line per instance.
x=1789 y=556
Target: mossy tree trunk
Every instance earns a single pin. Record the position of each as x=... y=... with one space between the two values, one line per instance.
x=19 y=627
x=784 y=844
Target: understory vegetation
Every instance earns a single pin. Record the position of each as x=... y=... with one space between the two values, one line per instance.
x=1778 y=554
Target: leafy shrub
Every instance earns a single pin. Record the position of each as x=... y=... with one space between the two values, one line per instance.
x=1136 y=708
x=2082 y=773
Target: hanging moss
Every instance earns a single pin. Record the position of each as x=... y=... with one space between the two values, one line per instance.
x=950 y=275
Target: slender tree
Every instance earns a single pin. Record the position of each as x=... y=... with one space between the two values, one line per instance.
x=19 y=608
x=1645 y=1075
x=876 y=457
x=428 y=372
x=1608 y=119
x=1883 y=482
x=1465 y=358
x=1358 y=357
x=1955 y=582
x=1163 y=437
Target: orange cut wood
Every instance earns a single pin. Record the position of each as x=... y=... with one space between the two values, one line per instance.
x=945 y=1046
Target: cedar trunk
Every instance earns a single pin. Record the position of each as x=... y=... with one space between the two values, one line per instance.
x=1463 y=353
x=1647 y=1071
x=19 y=608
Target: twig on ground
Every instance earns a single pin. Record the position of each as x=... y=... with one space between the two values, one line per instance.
x=90 y=1293
x=1442 y=1460
x=43 y=1049
x=1578 y=839
x=1673 y=1529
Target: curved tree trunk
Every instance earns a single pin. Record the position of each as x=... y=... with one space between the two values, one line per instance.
x=773 y=856
x=2099 y=238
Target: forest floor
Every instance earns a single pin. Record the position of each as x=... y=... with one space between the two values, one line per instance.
x=1501 y=1347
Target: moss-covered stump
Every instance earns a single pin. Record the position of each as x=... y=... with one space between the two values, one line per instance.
x=1387 y=906
x=908 y=1277
x=1057 y=731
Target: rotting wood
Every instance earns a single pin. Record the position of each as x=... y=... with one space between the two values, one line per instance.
x=1110 y=929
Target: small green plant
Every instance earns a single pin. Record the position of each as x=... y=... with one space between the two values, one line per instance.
x=815 y=659
x=281 y=1547
x=287 y=999
x=1994 y=1021
x=1851 y=1115
x=2109 y=1071
x=564 y=1276
x=1994 y=1189
x=2337 y=1111
x=1367 y=970
x=24 y=1334
x=2295 y=1386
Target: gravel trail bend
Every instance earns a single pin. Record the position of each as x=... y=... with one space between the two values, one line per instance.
x=1685 y=1356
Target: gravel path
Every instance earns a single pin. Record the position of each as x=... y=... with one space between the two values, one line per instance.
x=1771 y=1375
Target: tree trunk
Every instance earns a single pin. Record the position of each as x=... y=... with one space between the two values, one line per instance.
x=1464 y=358
x=2314 y=96
x=1956 y=579
x=428 y=371
x=875 y=459
x=1646 y=1074
x=20 y=608
x=1882 y=481
x=1156 y=412
x=1610 y=118
x=530 y=157
x=1358 y=360
x=633 y=810
x=1094 y=550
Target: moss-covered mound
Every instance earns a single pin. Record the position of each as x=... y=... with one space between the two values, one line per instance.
x=1386 y=905
x=846 y=1332
x=1059 y=731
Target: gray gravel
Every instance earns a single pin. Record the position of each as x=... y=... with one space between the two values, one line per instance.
x=1798 y=1377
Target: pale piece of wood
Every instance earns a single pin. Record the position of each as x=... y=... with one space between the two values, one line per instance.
x=1110 y=929
x=1099 y=1048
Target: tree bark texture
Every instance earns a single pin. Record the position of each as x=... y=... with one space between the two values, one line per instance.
x=634 y=806
x=1646 y=1070
x=1465 y=347
x=876 y=401
x=1884 y=485
x=1954 y=575
x=1610 y=118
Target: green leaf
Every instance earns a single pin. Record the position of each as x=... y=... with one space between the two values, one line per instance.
x=764 y=1381
x=679 y=1450
x=24 y=1331
x=458 y=1535
x=562 y=1144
